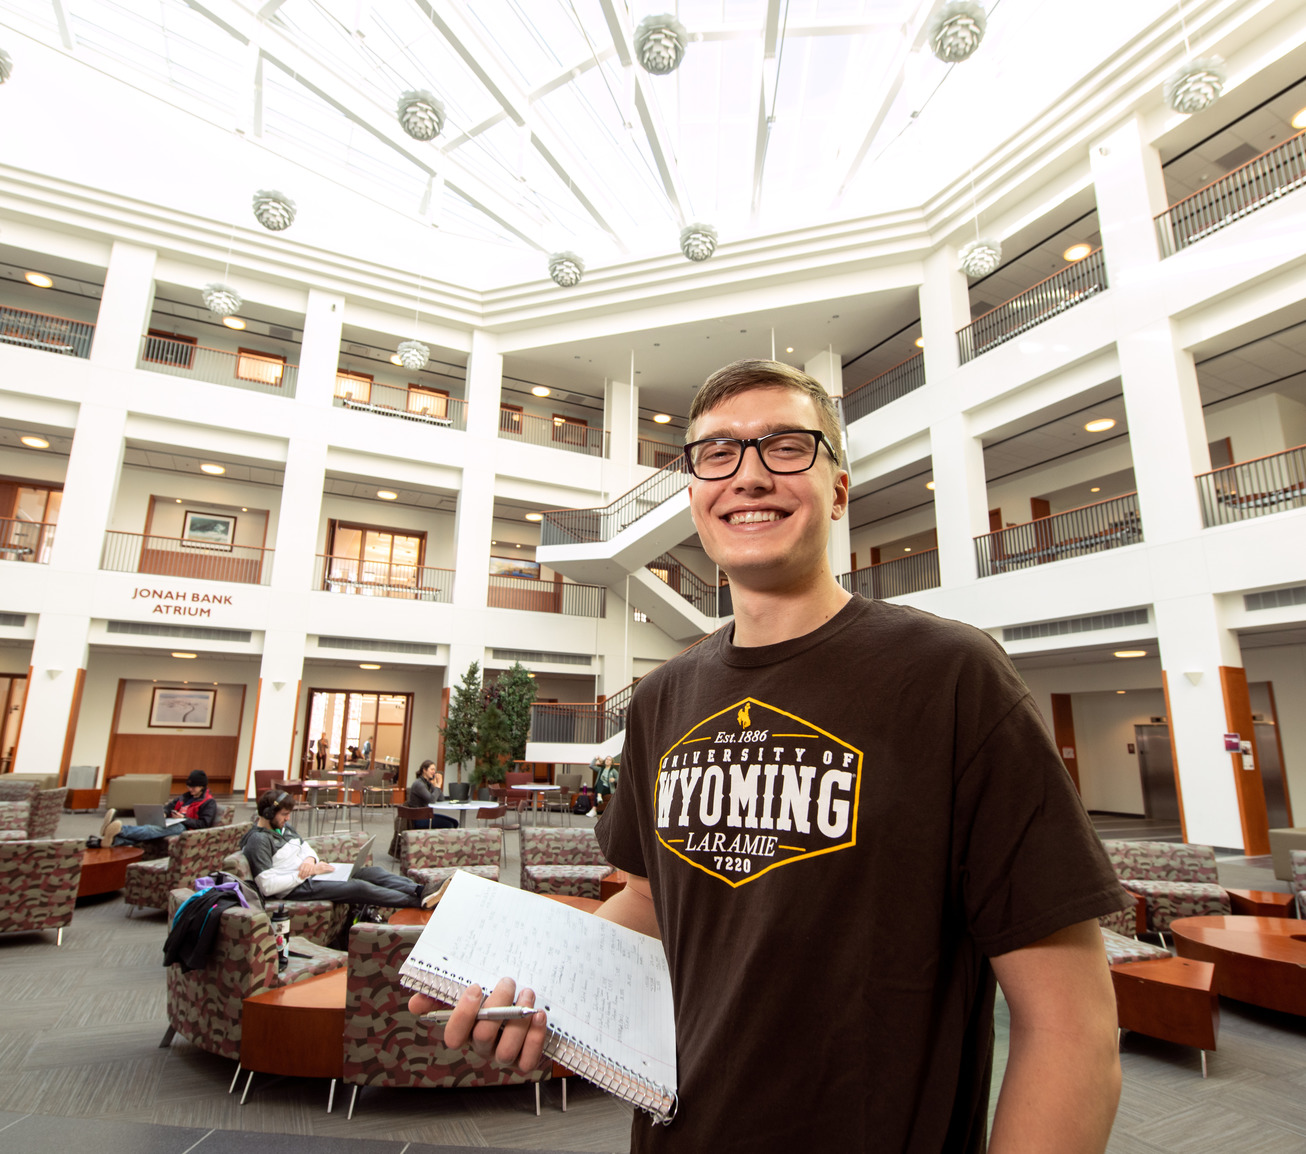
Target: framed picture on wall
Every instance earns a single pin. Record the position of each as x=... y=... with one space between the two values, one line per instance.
x=208 y=531
x=182 y=708
x=514 y=567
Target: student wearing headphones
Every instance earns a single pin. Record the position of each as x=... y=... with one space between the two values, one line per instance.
x=285 y=865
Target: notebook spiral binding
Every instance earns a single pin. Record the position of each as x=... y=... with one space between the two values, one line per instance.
x=626 y=1084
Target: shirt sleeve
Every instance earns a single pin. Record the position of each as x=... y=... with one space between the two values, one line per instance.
x=205 y=817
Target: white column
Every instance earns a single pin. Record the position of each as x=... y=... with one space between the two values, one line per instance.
x=58 y=656
x=827 y=368
x=319 y=354
x=124 y=306
x=275 y=741
x=621 y=417
x=473 y=529
x=90 y=488
x=945 y=308
x=298 y=518
x=484 y=386
x=960 y=499
x=1130 y=192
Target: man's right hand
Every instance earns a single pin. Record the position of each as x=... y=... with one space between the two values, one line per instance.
x=519 y=1044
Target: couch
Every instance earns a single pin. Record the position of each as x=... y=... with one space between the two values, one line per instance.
x=556 y=860
x=15 y=817
x=385 y=1045
x=1282 y=842
x=1175 y=880
x=434 y=855
x=194 y=854
x=204 y=1006
x=28 y=812
x=46 y=811
x=128 y=790
x=40 y=780
x=38 y=884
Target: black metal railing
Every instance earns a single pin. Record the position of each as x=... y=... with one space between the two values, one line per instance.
x=657 y=454
x=1074 y=533
x=175 y=557
x=688 y=584
x=1064 y=289
x=1254 y=488
x=569 y=526
x=895 y=578
x=581 y=723
x=553 y=433
x=25 y=540
x=349 y=575
x=258 y=372
x=888 y=386
x=556 y=596
x=51 y=334
x=1251 y=186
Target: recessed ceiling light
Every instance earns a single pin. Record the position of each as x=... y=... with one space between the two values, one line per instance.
x=187 y=656
x=387 y=494
x=395 y=359
x=1101 y=425
x=930 y=485
x=1299 y=121
x=1120 y=691
x=907 y=549
x=535 y=516
x=494 y=542
x=39 y=279
x=177 y=499
x=243 y=509
x=35 y=442
x=368 y=665
x=1096 y=489
x=233 y=323
x=1077 y=252
x=920 y=342
x=1131 y=653
x=213 y=470
x=541 y=391
x=661 y=418
x=790 y=349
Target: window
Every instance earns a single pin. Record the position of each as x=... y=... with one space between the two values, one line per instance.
x=428 y=402
x=570 y=430
x=373 y=560
x=265 y=368
x=510 y=419
x=354 y=386
x=170 y=349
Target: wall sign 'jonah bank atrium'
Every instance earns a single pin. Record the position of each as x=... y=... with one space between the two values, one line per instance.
x=181 y=602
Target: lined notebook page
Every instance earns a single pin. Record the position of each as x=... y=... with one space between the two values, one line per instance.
x=605 y=987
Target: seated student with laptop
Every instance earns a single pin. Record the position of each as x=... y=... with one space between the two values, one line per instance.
x=194 y=809
x=285 y=865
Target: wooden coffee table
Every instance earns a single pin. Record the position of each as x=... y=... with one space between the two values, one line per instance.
x=1169 y=998
x=1257 y=959
x=296 y=1030
x=105 y=870
x=1262 y=903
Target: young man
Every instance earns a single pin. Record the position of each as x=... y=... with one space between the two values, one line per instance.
x=195 y=807
x=844 y=818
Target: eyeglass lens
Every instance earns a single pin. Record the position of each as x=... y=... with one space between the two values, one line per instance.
x=792 y=451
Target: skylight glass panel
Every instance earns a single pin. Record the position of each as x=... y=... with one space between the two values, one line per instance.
x=535 y=40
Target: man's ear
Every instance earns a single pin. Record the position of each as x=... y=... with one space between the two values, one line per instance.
x=840 y=496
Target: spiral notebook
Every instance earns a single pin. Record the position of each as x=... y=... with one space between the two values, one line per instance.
x=606 y=988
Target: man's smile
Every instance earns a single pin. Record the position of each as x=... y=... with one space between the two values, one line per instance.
x=753 y=516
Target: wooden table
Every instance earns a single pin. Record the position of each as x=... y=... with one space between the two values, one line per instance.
x=105 y=870
x=585 y=905
x=1258 y=960
x=614 y=883
x=296 y=1030
x=1262 y=903
x=1169 y=998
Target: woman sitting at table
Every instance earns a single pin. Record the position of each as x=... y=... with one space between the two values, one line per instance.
x=428 y=787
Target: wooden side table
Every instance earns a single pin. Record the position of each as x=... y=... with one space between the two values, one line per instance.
x=82 y=799
x=297 y=1031
x=1262 y=903
x=614 y=883
x=105 y=870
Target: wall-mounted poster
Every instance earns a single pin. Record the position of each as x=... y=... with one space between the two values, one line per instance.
x=208 y=531
x=182 y=708
x=514 y=567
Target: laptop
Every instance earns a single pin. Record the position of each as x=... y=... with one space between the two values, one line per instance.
x=154 y=815
x=343 y=872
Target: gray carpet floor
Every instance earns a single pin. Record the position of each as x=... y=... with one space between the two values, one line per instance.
x=80 y=1066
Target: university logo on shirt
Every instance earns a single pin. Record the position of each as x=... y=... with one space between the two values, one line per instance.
x=753 y=788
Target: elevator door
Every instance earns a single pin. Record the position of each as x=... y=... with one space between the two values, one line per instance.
x=1267 y=754
x=1156 y=770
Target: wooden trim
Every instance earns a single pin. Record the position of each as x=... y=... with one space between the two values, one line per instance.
x=290 y=757
x=149 y=517
x=1278 y=741
x=445 y=694
x=1252 y=460
x=1063 y=733
x=1226 y=176
x=18 y=737
x=1174 y=757
x=1247 y=782
x=113 y=729
x=71 y=731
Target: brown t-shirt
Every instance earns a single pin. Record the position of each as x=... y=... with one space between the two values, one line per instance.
x=840 y=830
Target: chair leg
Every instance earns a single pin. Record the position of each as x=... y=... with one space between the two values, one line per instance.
x=564 y=1095
x=247 y=1085
x=58 y=937
x=234 y=1078
x=130 y=907
x=352 y=1099
x=1203 y=1063
x=537 y=1099
x=331 y=1098
x=168 y=1036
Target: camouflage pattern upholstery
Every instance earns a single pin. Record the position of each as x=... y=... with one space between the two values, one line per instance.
x=318 y=921
x=1297 y=860
x=1121 y=922
x=385 y=1045
x=38 y=883
x=556 y=860
x=434 y=855
x=15 y=817
x=46 y=811
x=204 y=1006
x=1176 y=881
x=1122 y=948
x=193 y=854
x=18 y=790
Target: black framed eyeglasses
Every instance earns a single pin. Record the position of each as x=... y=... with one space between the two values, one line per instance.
x=783 y=452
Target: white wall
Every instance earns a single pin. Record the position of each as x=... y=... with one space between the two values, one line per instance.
x=138 y=698
x=138 y=485
x=1258 y=425
x=1104 y=726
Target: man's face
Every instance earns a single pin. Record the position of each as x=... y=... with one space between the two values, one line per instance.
x=281 y=817
x=195 y=790
x=767 y=532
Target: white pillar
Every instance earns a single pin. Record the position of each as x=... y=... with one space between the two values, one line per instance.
x=827 y=368
x=90 y=488
x=124 y=306
x=276 y=719
x=58 y=661
x=1130 y=192
x=945 y=308
x=298 y=518
x=960 y=498
x=621 y=417
x=484 y=385
x=319 y=354
x=473 y=529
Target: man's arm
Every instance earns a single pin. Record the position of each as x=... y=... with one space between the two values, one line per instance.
x=1062 y=1082
x=205 y=817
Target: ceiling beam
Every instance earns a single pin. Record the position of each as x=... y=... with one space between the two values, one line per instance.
x=767 y=81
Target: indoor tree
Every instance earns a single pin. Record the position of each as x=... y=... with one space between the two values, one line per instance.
x=459 y=730
x=493 y=748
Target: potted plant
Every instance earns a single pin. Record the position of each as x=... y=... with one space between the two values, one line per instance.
x=493 y=749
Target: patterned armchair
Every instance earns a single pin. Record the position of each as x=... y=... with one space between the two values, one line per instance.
x=385 y=1045
x=204 y=1006
x=193 y=854
x=319 y=921
x=556 y=860
x=1122 y=948
x=47 y=808
x=38 y=884
x=1297 y=858
x=1176 y=881
x=433 y=855
x=11 y=790
x=15 y=817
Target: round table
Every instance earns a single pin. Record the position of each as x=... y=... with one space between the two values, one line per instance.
x=1257 y=960
x=105 y=870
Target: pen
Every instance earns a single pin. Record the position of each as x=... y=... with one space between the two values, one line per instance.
x=485 y=1014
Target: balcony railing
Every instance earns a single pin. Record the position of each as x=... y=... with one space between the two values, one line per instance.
x=419 y=407
x=173 y=557
x=687 y=583
x=1062 y=290
x=1261 y=181
x=895 y=578
x=382 y=579
x=261 y=372
x=1074 y=533
x=569 y=526
x=657 y=454
x=581 y=723
x=553 y=433
x=555 y=596
x=1254 y=488
x=881 y=390
x=25 y=541
x=49 y=333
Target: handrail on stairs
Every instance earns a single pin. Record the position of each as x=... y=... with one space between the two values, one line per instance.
x=571 y=526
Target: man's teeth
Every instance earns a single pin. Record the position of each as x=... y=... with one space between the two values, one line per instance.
x=752 y=516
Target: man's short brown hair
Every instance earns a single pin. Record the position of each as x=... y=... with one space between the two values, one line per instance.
x=744 y=376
